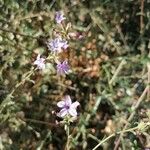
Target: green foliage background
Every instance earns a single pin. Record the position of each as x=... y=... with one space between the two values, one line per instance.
x=115 y=33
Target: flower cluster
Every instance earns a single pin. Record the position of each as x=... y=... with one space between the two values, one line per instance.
x=56 y=46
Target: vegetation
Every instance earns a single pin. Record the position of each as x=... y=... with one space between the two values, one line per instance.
x=108 y=55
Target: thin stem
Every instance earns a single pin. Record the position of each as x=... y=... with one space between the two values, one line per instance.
x=123 y=62
x=122 y=37
x=17 y=33
x=40 y=122
x=28 y=74
x=40 y=147
x=98 y=101
x=124 y=129
x=131 y=116
x=10 y=95
x=112 y=135
x=148 y=67
x=68 y=137
x=141 y=17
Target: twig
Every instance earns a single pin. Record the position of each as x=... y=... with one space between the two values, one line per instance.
x=141 y=126
x=31 y=15
x=131 y=117
x=141 y=17
x=122 y=36
x=123 y=62
x=52 y=3
x=40 y=147
x=10 y=95
x=27 y=76
x=40 y=122
x=148 y=68
x=93 y=137
x=42 y=13
x=103 y=26
x=17 y=33
x=67 y=86
x=112 y=135
x=98 y=101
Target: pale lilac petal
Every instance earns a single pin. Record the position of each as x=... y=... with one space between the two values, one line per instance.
x=72 y=112
x=65 y=46
x=59 y=71
x=57 y=44
x=61 y=104
x=42 y=59
x=35 y=62
x=41 y=66
x=59 y=17
x=67 y=100
x=62 y=68
x=63 y=112
x=75 y=105
x=38 y=57
x=39 y=62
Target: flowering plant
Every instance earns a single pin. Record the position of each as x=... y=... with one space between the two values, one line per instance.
x=67 y=107
x=55 y=46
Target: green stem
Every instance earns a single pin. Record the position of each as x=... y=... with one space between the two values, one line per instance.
x=10 y=95
x=68 y=137
x=112 y=135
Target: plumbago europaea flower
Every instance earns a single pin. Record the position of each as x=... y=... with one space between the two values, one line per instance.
x=69 y=113
x=67 y=107
x=57 y=45
x=59 y=17
x=62 y=68
x=40 y=62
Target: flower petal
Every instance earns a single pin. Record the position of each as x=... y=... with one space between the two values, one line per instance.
x=72 y=112
x=61 y=104
x=42 y=59
x=35 y=62
x=75 y=105
x=59 y=17
x=63 y=112
x=41 y=66
x=67 y=100
x=38 y=57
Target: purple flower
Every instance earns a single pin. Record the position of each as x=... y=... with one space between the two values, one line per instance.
x=59 y=17
x=67 y=107
x=40 y=62
x=64 y=44
x=62 y=68
x=57 y=45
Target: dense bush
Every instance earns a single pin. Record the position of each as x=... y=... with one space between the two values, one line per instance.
x=109 y=75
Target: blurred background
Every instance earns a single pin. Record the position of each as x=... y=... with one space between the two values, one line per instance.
x=109 y=73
